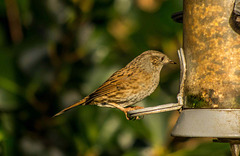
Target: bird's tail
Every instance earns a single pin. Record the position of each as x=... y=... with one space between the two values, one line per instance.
x=82 y=102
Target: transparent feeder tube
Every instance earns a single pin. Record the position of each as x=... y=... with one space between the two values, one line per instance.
x=212 y=50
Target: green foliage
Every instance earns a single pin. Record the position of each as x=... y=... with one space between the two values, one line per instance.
x=53 y=53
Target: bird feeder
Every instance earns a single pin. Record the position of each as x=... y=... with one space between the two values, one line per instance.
x=211 y=43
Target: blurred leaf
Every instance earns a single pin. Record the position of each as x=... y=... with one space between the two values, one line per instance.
x=210 y=149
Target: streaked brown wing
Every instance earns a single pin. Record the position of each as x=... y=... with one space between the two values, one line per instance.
x=115 y=89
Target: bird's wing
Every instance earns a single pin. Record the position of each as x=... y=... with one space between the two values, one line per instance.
x=117 y=87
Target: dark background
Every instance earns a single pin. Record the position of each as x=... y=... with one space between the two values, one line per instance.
x=53 y=53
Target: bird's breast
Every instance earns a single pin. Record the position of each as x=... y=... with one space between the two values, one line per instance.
x=144 y=87
x=150 y=84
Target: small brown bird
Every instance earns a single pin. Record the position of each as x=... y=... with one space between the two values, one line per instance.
x=129 y=85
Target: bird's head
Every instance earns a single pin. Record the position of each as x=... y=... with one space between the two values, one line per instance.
x=150 y=61
x=157 y=58
x=153 y=60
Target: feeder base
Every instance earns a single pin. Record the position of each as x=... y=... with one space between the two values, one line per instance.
x=214 y=123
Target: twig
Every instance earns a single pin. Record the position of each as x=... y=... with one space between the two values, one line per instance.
x=235 y=149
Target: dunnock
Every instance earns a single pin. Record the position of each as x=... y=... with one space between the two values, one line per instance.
x=129 y=85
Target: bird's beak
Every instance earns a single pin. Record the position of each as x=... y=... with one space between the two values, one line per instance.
x=172 y=62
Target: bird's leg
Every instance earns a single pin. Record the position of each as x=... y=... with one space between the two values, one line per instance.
x=125 y=110
x=121 y=108
x=131 y=108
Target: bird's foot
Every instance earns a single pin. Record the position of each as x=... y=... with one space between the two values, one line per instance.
x=126 y=110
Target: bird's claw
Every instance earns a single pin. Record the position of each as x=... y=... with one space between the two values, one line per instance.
x=134 y=117
x=126 y=110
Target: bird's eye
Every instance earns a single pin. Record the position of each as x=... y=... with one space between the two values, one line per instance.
x=162 y=58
